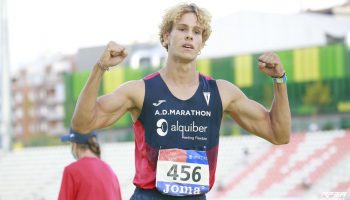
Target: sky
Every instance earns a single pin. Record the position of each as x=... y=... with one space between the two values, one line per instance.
x=39 y=28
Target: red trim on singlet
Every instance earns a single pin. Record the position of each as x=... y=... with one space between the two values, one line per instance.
x=206 y=77
x=145 y=176
x=212 y=158
x=151 y=75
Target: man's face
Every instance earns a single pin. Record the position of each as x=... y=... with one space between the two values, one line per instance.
x=185 y=39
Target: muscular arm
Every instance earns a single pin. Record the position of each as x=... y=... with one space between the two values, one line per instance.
x=92 y=112
x=273 y=125
x=86 y=107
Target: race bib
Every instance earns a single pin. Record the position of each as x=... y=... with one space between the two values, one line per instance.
x=182 y=172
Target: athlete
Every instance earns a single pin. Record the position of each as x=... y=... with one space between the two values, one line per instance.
x=89 y=177
x=177 y=111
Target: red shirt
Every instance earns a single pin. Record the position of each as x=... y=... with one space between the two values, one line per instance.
x=89 y=178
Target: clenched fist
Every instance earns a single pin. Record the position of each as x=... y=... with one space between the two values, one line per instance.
x=112 y=55
x=270 y=64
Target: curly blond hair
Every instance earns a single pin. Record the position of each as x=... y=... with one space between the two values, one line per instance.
x=175 y=13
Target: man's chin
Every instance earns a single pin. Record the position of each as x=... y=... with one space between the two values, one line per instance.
x=189 y=57
x=185 y=57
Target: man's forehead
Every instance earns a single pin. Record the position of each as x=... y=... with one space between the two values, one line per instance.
x=188 y=25
x=187 y=17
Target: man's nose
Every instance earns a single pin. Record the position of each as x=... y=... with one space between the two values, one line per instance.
x=189 y=37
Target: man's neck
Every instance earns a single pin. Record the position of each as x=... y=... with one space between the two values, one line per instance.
x=180 y=73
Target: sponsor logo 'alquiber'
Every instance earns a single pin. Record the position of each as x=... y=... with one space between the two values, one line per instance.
x=188 y=128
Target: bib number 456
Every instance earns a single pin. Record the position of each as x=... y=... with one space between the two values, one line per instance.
x=186 y=173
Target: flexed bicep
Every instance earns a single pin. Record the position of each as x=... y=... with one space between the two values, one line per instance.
x=249 y=114
x=109 y=108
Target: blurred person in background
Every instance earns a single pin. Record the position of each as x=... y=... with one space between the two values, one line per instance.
x=177 y=111
x=89 y=177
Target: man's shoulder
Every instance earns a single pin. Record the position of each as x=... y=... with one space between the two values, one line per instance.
x=224 y=84
x=134 y=84
x=135 y=90
x=228 y=89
